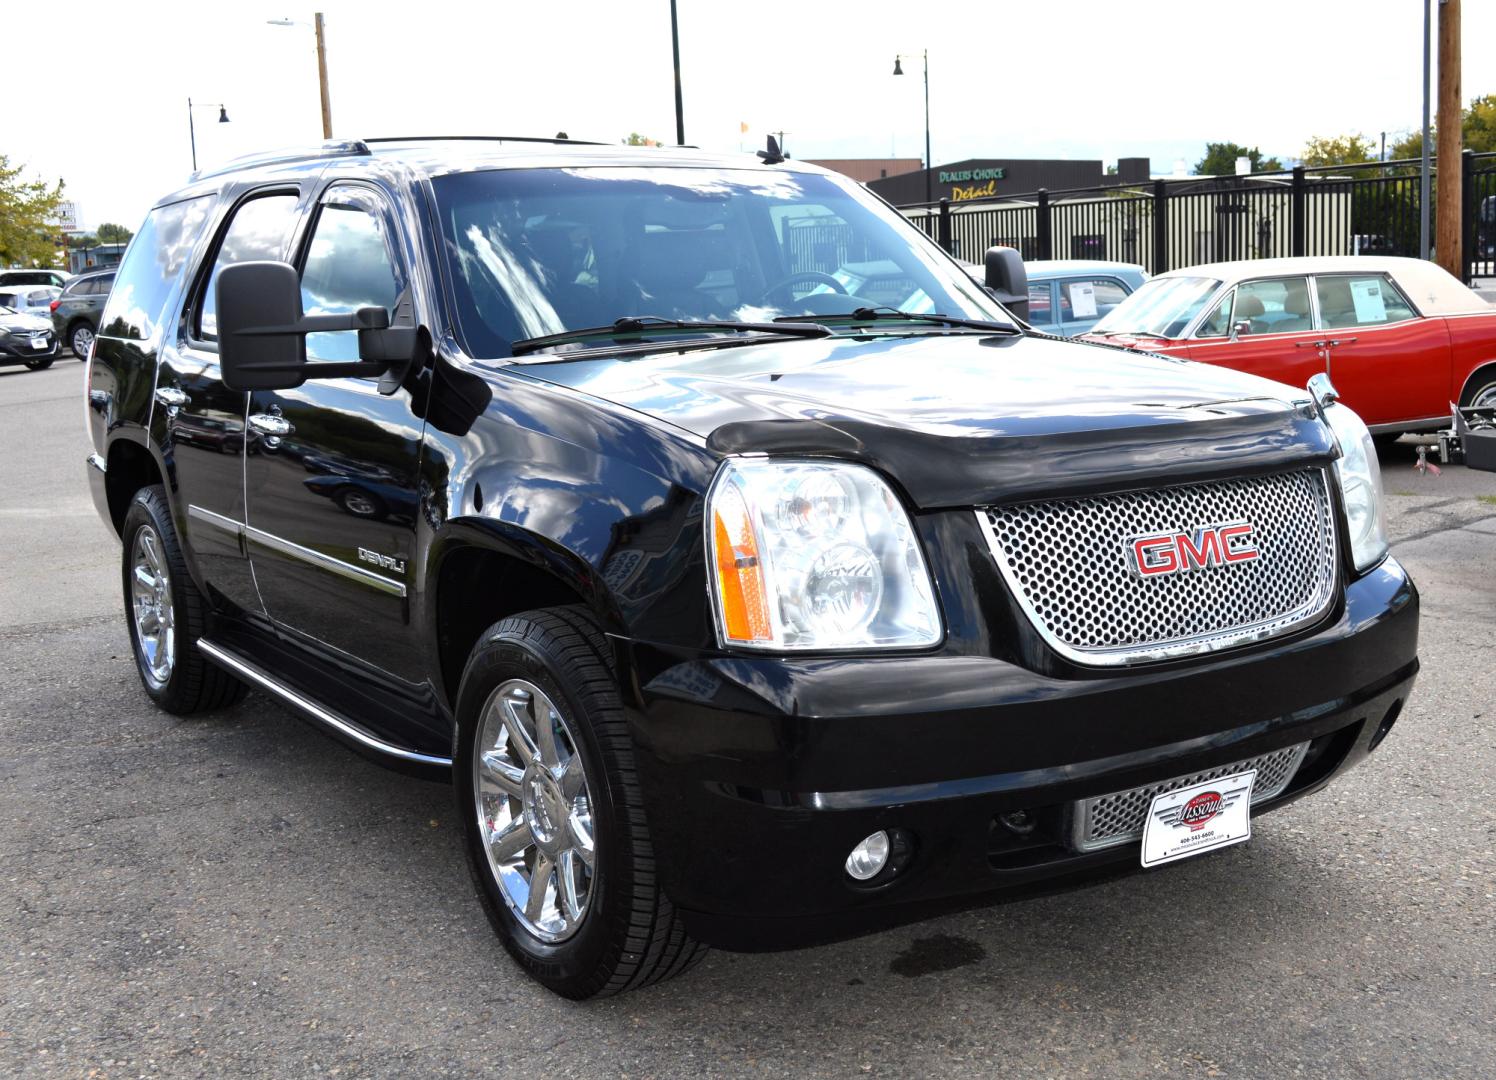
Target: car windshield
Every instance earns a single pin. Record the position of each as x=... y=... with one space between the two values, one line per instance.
x=536 y=252
x=1163 y=307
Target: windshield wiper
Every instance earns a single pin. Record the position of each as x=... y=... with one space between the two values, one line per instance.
x=641 y=324
x=875 y=314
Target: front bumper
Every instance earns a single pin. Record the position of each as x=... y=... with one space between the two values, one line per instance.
x=760 y=774
x=18 y=350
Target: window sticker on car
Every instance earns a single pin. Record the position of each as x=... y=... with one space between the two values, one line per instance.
x=1366 y=294
x=1083 y=299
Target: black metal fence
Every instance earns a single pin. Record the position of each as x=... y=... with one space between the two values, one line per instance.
x=1370 y=209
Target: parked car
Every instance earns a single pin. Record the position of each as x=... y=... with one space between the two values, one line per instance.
x=55 y=278
x=76 y=315
x=30 y=299
x=26 y=338
x=1068 y=296
x=1401 y=338
x=737 y=610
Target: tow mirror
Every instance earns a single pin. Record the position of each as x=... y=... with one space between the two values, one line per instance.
x=262 y=331
x=1007 y=280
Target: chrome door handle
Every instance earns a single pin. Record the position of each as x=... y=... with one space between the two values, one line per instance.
x=1341 y=341
x=270 y=425
x=171 y=397
x=1312 y=344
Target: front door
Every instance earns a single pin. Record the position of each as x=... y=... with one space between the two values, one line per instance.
x=332 y=491
x=1263 y=327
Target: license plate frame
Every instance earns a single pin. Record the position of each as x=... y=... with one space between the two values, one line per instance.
x=1203 y=817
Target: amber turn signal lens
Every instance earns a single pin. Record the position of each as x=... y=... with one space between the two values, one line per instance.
x=740 y=573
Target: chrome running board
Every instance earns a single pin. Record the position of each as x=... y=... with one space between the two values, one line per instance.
x=237 y=665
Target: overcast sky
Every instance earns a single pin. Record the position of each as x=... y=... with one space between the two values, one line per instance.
x=1059 y=78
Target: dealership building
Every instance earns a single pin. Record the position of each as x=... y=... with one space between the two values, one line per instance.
x=983 y=178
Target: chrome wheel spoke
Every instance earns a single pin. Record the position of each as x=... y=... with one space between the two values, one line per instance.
x=545 y=736
x=519 y=735
x=509 y=841
x=144 y=579
x=580 y=835
x=501 y=774
x=573 y=778
x=540 y=879
x=568 y=899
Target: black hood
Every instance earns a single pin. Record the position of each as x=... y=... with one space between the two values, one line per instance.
x=962 y=419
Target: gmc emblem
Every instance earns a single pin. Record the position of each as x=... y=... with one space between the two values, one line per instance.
x=1209 y=545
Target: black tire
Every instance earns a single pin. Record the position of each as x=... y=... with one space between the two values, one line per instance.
x=40 y=365
x=194 y=684
x=630 y=936
x=361 y=504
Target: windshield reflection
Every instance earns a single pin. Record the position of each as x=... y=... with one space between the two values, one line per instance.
x=543 y=251
x=1163 y=307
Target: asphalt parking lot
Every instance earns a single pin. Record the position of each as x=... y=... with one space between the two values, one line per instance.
x=237 y=895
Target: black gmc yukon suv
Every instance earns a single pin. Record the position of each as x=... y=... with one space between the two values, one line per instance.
x=754 y=576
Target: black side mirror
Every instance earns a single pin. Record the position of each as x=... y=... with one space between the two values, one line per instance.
x=262 y=332
x=1007 y=281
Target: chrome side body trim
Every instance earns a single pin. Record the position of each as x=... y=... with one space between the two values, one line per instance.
x=325 y=562
x=245 y=670
x=218 y=521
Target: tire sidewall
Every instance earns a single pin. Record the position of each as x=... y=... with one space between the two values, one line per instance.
x=578 y=957
x=1483 y=384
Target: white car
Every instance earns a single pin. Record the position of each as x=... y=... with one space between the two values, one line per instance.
x=18 y=277
x=30 y=299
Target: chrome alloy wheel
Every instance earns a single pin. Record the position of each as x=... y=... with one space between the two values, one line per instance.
x=83 y=339
x=1486 y=397
x=150 y=594
x=534 y=810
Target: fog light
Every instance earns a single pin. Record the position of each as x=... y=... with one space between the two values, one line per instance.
x=869 y=857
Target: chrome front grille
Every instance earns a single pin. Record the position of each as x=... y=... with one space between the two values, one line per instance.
x=1067 y=564
x=1118 y=818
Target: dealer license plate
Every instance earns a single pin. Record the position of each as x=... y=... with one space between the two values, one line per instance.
x=1199 y=818
x=39 y=341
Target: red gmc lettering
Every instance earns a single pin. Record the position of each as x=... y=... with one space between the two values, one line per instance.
x=1208 y=546
x=1243 y=552
x=1155 y=555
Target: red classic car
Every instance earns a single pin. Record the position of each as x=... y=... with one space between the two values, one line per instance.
x=1400 y=338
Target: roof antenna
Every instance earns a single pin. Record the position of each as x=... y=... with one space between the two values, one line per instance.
x=772 y=156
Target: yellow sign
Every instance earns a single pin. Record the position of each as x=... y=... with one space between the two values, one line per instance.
x=974 y=191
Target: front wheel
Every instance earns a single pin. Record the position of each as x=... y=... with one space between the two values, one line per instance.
x=167 y=614
x=553 y=819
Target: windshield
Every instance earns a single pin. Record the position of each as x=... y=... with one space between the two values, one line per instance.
x=1163 y=307
x=534 y=252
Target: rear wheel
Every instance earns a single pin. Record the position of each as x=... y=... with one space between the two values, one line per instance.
x=80 y=340
x=1482 y=391
x=166 y=613
x=553 y=818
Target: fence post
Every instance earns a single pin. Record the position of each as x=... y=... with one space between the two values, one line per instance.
x=1160 y=226
x=945 y=226
x=1297 y=213
x=1043 y=233
x=1468 y=230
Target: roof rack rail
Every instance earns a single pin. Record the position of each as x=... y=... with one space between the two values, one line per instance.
x=331 y=148
x=480 y=138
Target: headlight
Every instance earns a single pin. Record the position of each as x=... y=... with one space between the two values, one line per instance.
x=1360 y=477
x=815 y=555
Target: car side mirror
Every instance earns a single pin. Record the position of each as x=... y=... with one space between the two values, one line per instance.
x=262 y=331
x=1007 y=280
x=1240 y=327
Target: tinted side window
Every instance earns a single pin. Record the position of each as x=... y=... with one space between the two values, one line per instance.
x=257 y=231
x=1363 y=300
x=347 y=267
x=153 y=262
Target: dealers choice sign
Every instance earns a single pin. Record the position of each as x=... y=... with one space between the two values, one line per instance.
x=979 y=182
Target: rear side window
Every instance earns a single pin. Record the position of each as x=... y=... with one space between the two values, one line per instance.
x=258 y=231
x=154 y=260
x=1089 y=298
x=1360 y=300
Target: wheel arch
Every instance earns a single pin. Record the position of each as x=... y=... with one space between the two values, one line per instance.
x=479 y=572
x=130 y=466
x=1481 y=372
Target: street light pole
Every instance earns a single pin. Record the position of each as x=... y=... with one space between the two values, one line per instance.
x=680 y=115
x=223 y=118
x=321 y=34
x=929 y=164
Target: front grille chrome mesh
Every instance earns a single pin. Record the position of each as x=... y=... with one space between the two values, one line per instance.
x=1066 y=562
x=1118 y=818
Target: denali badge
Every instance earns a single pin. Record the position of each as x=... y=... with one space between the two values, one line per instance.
x=389 y=562
x=1201 y=809
x=1210 y=545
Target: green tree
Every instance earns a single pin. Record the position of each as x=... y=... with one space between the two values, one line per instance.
x=1220 y=160
x=28 y=209
x=1477 y=131
x=1322 y=151
x=635 y=139
x=110 y=233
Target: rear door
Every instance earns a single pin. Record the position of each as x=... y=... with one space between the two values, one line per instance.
x=204 y=429
x=1084 y=301
x=1263 y=327
x=332 y=489
x=1389 y=365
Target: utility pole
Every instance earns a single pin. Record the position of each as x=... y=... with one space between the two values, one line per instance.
x=1425 y=151
x=1450 y=202
x=322 y=76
